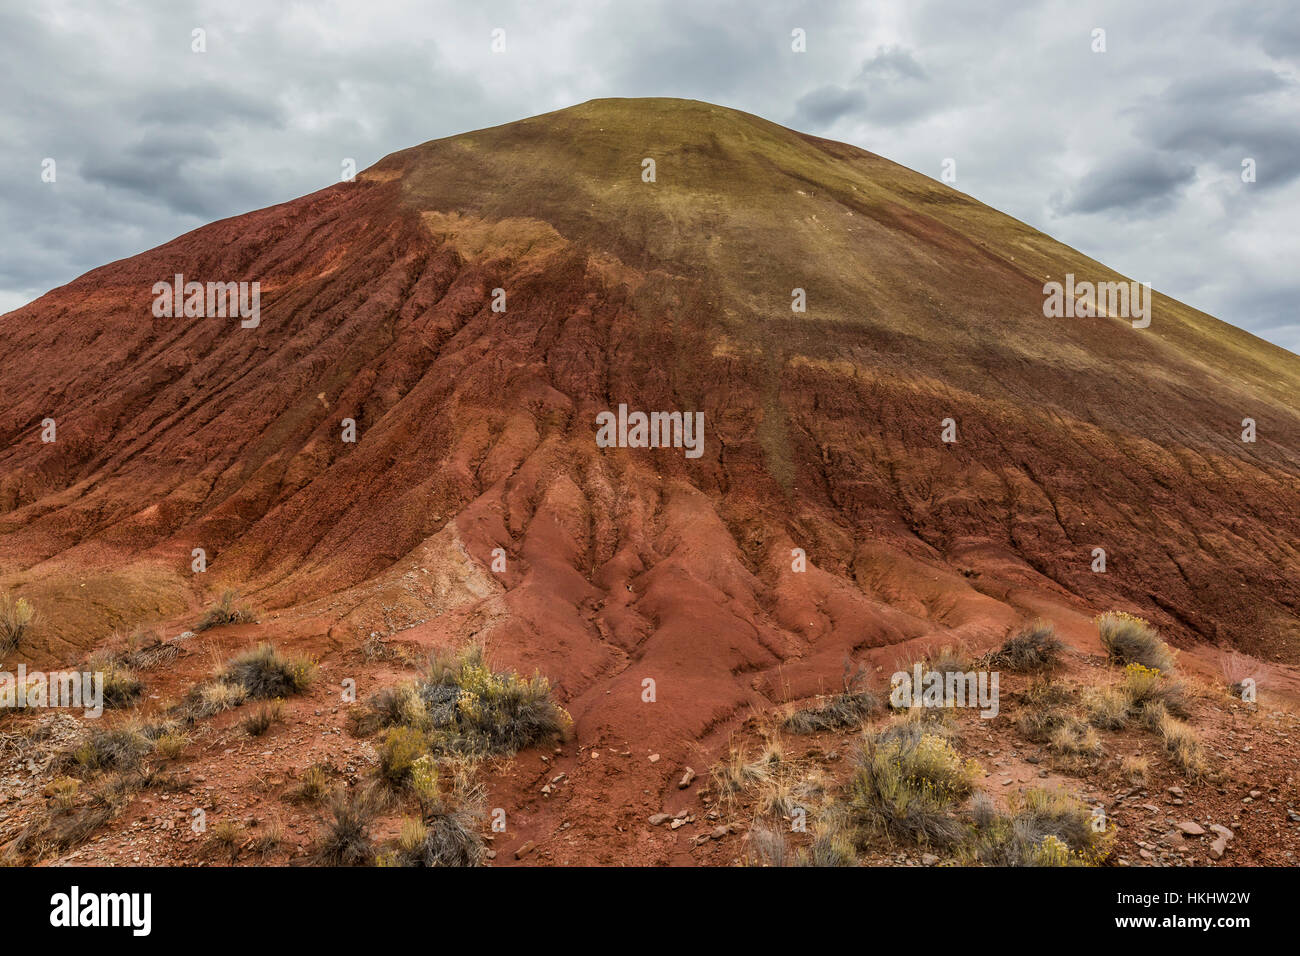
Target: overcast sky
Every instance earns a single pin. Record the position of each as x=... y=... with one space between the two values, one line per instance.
x=1134 y=155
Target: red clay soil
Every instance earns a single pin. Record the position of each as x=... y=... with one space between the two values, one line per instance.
x=475 y=430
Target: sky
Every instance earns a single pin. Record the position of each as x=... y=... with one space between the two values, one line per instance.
x=1132 y=154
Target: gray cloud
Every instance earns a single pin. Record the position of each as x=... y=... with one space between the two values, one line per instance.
x=1133 y=156
x=1129 y=185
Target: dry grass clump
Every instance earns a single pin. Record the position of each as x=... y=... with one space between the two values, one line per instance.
x=1129 y=639
x=224 y=840
x=313 y=787
x=224 y=612
x=260 y=721
x=345 y=839
x=739 y=773
x=265 y=674
x=1107 y=708
x=122 y=687
x=16 y=618
x=834 y=713
x=1135 y=768
x=120 y=748
x=1047 y=706
x=849 y=708
x=171 y=744
x=1183 y=746
x=269 y=840
x=832 y=844
x=1035 y=648
x=1074 y=738
x=216 y=696
x=907 y=782
x=774 y=785
x=72 y=816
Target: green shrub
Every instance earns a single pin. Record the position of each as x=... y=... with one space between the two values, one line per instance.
x=1034 y=648
x=399 y=750
x=1145 y=686
x=1129 y=639
x=907 y=782
x=468 y=709
x=1043 y=828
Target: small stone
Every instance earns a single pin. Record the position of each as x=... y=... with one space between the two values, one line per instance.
x=1191 y=829
x=688 y=778
x=1219 y=847
x=659 y=818
x=654 y=758
x=929 y=859
x=676 y=823
x=524 y=850
x=718 y=833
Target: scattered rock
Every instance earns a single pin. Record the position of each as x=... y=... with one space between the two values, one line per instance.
x=1191 y=829
x=660 y=818
x=688 y=778
x=524 y=850
x=1219 y=847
